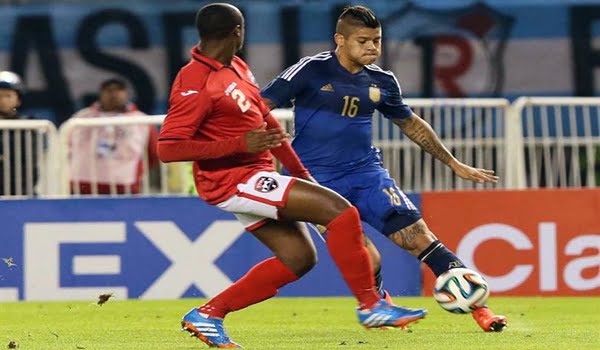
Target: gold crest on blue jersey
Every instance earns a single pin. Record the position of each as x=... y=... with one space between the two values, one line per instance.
x=374 y=94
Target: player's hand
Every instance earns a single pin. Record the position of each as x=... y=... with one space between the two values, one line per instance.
x=262 y=139
x=474 y=174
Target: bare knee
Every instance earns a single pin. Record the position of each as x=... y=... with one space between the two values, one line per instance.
x=331 y=207
x=300 y=262
x=336 y=205
x=414 y=238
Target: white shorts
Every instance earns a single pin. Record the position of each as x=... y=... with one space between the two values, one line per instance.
x=257 y=200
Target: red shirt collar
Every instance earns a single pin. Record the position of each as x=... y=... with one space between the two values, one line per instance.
x=213 y=64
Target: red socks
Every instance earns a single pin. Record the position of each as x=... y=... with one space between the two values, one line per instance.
x=346 y=246
x=260 y=283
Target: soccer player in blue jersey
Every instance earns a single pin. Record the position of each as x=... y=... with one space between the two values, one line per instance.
x=335 y=95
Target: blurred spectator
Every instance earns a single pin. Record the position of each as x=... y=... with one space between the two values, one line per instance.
x=109 y=159
x=18 y=152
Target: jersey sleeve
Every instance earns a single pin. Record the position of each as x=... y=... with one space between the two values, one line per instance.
x=187 y=109
x=264 y=109
x=393 y=106
x=286 y=154
x=287 y=85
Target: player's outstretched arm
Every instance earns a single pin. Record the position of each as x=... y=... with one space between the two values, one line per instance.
x=420 y=132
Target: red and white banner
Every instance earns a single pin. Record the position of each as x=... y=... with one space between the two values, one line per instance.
x=542 y=242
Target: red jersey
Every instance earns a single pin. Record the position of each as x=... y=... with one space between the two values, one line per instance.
x=213 y=102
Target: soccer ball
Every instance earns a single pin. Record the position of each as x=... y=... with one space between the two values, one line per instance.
x=461 y=290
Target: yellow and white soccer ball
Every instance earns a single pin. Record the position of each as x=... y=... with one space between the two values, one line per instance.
x=461 y=290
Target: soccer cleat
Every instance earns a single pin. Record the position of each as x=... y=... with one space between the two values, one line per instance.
x=385 y=314
x=489 y=322
x=208 y=329
x=387 y=297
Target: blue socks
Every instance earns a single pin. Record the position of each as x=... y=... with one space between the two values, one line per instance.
x=379 y=283
x=439 y=258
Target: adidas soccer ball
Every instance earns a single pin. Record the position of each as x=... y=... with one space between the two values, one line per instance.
x=461 y=290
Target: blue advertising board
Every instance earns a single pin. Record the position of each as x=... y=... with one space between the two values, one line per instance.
x=151 y=248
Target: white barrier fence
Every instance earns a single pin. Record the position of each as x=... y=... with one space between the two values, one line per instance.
x=168 y=179
x=560 y=141
x=535 y=142
x=101 y=139
x=28 y=158
x=472 y=129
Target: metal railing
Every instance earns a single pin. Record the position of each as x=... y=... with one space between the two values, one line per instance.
x=535 y=142
x=70 y=131
x=560 y=141
x=173 y=178
x=28 y=163
x=472 y=129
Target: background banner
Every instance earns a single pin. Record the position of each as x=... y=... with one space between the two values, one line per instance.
x=544 y=242
x=450 y=48
x=150 y=248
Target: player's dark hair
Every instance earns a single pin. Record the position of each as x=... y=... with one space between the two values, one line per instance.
x=358 y=16
x=216 y=21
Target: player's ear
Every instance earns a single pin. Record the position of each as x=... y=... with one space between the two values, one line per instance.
x=339 y=39
x=238 y=31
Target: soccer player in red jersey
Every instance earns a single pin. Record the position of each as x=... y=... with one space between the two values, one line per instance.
x=218 y=120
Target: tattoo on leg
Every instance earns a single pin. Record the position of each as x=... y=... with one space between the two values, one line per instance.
x=407 y=236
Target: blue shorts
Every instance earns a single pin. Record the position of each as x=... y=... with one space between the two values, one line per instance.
x=380 y=202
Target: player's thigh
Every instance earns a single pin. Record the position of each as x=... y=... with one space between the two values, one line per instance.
x=310 y=202
x=383 y=205
x=258 y=199
x=290 y=242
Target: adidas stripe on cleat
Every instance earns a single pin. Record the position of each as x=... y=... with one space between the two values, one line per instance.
x=208 y=329
x=385 y=314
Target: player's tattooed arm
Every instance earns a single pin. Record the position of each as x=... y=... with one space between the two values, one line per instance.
x=423 y=135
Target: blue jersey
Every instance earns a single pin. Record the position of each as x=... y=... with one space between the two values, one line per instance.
x=334 y=110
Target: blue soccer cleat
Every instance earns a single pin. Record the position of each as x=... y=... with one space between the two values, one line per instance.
x=208 y=329
x=387 y=297
x=384 y=314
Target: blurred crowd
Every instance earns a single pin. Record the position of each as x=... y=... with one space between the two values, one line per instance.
x=101 y=159
x=17 y=159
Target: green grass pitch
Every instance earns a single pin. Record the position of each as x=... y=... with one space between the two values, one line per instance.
x=297 y=323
